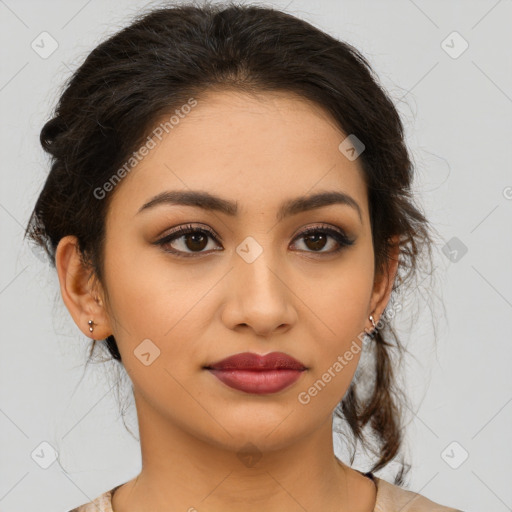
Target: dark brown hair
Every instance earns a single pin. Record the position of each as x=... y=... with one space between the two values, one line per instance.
x=170 y=54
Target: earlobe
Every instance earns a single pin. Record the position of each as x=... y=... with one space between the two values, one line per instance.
x=78 y=294
x=384 y=284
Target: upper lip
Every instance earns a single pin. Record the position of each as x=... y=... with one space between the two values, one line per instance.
x=252 y=361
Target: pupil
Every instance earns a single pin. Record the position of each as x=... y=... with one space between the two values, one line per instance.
x=315 y=238
x=196 y=239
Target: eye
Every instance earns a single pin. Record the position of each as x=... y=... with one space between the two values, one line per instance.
x=317 y=237
x=194 y=239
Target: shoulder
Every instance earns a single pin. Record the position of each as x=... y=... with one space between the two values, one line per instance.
x=391 y=498
x=102 y=503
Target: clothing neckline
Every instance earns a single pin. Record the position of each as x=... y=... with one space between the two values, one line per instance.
x=368 y=475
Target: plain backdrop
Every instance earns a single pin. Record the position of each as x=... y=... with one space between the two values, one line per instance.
x=447 y=66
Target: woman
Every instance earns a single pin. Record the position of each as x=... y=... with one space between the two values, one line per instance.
x=229 y=210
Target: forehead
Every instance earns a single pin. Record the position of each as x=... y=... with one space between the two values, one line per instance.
x=257 y=149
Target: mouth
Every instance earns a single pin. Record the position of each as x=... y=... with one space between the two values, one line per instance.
x=252 y=373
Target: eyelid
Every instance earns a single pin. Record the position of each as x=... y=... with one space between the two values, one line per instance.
x=189 y=226
x=324 y=227
x=335 y=232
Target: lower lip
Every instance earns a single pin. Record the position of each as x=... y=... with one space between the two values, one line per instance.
x=258 y=382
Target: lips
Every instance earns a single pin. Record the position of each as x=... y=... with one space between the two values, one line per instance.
x=252 y=373
x=255 y=362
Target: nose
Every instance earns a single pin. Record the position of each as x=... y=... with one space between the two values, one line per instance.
x=259 y=296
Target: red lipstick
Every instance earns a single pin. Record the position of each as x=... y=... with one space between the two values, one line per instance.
x=257 y=374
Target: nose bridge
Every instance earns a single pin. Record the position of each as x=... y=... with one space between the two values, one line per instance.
x=261 y=296
x=256 y=266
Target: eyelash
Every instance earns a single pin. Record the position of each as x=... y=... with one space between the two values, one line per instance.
x=340 y=237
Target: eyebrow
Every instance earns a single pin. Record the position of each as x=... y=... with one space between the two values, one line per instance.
x=207 y=201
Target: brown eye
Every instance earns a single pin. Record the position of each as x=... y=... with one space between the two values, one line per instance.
x=316 y=238
x=196 y=241
x=187 y=241
x=316 y=242
x=192 y=240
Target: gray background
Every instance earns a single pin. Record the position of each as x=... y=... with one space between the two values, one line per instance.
x=457 y=113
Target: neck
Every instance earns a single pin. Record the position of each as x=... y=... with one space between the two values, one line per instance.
x=183 y=472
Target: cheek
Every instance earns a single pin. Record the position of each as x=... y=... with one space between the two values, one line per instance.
x=336 y=357
x=341 y=301
x=339 y=310
x=169 y=309
x=159 y=320
x=147 y=300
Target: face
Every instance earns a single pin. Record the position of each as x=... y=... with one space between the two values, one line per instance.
x=246 y=278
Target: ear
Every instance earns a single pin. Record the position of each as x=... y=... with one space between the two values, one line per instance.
x=383 y=283
x=78 y=290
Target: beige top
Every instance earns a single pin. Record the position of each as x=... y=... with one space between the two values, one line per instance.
x=390 y=498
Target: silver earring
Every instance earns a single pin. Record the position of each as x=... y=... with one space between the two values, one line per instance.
x=372 y=333
x=91 y=328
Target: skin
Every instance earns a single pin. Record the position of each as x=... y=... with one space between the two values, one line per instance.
x=259 y=151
